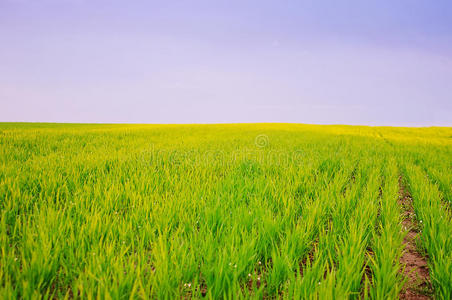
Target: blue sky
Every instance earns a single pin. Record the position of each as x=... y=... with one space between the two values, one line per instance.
x=321 y=62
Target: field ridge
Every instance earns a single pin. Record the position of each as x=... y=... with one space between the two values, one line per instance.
x=416 y=272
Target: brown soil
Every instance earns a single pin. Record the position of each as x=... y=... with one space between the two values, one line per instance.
x=418 y=284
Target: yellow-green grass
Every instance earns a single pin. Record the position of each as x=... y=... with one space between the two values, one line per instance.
x=219 y=211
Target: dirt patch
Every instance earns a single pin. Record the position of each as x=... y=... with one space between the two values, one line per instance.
x=418 y=285
x=307 y=260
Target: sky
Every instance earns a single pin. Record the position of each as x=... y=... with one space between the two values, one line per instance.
x=373 y=62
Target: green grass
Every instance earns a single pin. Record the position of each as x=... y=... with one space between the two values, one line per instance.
x=219 y=211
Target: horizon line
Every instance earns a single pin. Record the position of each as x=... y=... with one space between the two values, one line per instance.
x=222 y=123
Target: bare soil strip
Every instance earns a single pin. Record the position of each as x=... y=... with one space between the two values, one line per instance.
x=418 y=285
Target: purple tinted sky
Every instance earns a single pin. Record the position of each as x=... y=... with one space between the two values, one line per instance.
x=379 y=62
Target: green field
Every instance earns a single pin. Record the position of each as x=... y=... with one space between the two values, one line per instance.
x=221 y=211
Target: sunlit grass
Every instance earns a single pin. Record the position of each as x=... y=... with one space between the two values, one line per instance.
x=218 y=211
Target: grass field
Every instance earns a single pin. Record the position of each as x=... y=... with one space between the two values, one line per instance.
x=224 y=211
